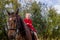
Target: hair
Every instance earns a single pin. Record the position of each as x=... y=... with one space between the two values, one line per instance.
x=28 y=14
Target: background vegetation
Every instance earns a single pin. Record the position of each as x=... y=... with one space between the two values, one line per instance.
x=48 y=26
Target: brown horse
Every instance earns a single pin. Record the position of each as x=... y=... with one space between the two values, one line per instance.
x=17 y=30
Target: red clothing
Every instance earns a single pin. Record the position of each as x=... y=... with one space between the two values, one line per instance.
x=29 y=24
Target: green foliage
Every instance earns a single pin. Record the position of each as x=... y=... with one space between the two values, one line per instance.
x=38 y=22
x=2 y=25
x=15 y=4
x=53 y=23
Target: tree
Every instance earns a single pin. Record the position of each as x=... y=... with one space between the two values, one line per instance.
x=15 y=4
x=53 y=22
x=2 y=19
x=35 y=10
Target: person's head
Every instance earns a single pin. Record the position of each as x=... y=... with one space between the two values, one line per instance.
x=28 y=15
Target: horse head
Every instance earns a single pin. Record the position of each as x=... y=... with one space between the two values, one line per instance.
x=12 y=18
x=12 y=22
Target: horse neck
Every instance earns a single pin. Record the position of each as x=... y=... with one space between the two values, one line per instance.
x=19 y=21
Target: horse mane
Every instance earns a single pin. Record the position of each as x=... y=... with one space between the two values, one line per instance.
x=20 y=25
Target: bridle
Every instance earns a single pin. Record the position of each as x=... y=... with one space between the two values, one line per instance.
x=15 y=29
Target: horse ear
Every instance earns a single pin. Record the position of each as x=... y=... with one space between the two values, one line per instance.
x=8 y=13
x=17 y=11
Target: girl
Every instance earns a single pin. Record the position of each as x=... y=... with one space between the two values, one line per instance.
x=28 y=21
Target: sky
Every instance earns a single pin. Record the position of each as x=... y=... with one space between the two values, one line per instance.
x=53 y=3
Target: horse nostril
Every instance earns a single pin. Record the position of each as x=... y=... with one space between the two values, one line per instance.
x=14 y=21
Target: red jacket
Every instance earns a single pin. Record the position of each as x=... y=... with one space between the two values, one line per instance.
x=29 y=24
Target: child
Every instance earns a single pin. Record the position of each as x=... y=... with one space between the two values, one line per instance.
x=28 y=21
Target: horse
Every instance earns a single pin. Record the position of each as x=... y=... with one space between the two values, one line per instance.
x=16 y=29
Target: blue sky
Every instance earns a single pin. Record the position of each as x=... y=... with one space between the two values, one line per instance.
x=50 y=2
x=54 y=3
